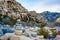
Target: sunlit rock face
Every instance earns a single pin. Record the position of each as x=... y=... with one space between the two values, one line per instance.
x=12 y=9
x=58 y=20
x=7 y=7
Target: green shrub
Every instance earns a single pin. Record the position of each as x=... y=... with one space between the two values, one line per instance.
x=44 y=33
x=12 y=21
x=58 y=33
x=0 y=19
x=54 y=34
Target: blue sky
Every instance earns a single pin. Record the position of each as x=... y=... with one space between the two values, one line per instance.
x=41 y=5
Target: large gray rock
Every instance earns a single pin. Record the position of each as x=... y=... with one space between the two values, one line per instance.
x=58 y=20
x=57 y=37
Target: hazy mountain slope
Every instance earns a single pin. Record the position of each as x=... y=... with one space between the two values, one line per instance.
x=50 y=16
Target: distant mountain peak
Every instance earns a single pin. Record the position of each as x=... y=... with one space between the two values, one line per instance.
x=46 y=12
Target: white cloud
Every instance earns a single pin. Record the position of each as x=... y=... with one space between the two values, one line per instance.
x=44 y=7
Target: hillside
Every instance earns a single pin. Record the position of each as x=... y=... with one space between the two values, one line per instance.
x=11 y=11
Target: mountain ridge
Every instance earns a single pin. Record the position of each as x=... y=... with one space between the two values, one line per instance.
x=13 y=10
x=50 y=16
